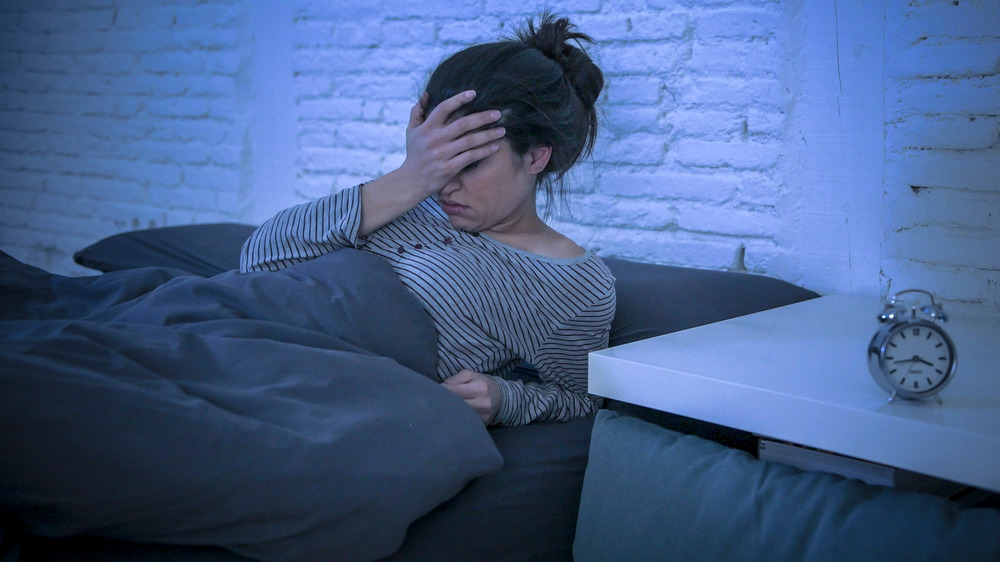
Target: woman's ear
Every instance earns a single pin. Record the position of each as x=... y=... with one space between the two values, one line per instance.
x=539 y=158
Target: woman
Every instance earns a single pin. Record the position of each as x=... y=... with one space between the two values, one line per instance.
x=458 y=222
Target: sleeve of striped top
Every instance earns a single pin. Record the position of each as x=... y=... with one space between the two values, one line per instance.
x=562 y=363
x=304 y=232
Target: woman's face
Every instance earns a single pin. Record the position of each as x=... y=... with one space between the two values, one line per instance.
x=497 y=193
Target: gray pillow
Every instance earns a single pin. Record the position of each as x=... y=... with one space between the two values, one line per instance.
x=659 y=299
x=650 y=493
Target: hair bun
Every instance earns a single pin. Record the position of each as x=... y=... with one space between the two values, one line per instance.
x=553 y=38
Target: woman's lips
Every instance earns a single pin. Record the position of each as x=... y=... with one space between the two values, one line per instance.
x=451 y=207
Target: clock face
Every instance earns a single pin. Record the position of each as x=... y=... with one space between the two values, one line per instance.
x=917 y=358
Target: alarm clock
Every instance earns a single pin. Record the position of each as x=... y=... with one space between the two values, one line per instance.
x=910 y=355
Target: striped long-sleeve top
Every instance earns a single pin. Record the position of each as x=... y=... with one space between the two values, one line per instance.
x=492 y=304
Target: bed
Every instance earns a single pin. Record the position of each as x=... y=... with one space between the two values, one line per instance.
x=171 y=408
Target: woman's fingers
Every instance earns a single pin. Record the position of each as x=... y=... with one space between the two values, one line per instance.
x=436 y=149
x=439 y=117
x=417 y=113
x=459 y=127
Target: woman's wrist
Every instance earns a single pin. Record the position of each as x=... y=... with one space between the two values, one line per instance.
x=386 y=198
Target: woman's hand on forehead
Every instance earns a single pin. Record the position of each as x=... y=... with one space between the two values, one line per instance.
x=437 y=148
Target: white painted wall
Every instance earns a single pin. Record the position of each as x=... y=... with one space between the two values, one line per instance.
x=845 y=145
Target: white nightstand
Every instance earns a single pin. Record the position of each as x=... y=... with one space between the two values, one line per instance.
x=799 y=373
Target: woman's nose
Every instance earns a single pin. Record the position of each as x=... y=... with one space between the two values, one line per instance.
x=452 y=186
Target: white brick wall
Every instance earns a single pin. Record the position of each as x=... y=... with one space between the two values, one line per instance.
x=116 y=116
x=942 y=113
x=852 y=147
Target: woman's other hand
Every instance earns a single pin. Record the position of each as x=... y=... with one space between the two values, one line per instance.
x=437 y=150
x=479 y=391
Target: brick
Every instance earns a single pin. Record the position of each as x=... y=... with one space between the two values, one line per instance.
x=608 y=25
x=945 y=282
x=737 y=24
x=329 y=64
x=15 y=198
x=633 y=90
x=403 y=60
x=629 y=120
x=14 y=41
x=948 y=132
x=165 y=175
x=219 y=178
x=735 y=58
x=945 y=19
x=950 y=208
x=462 y=33
x=637 y=148
x=643 y=214
x=737 y=155
x=317 y=133
x=457 y=9
x=727 y=93
x=611 y=25
x=178 y=61
x=123 y=217
x=371 y=136
x=645 y=59
x=716 y=219
x=313 y=34
x=44 y=62
x=183 y=197
x=332 y=108
x=340 y=160
x=354 y=34
x=183 y=107
x=947 y=58
x=669 y=185
x=380 y=87
x=947 y=247
x=312 y=85
x=67 y=21
x=973 y=170
x=976 y=95
x=408 y=33
x=397 y=112
x=74 y=42
x=761 y=256
x=520 y=9
x=208 y=15
x=114 y=189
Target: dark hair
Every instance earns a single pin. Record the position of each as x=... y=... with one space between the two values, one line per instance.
x=545 y=86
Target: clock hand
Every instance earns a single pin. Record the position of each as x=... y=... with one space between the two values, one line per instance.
x=924 y=361
x=911 y=360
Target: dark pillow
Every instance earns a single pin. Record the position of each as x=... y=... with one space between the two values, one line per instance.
x=204 y=249
x=658 y=299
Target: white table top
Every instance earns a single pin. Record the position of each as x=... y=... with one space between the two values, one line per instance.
x=799 y=373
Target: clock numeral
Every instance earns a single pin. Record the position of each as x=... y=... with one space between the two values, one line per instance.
x=939 y=371
x=929 y=334
x=916 y=384
x=916 y=331
x=938 y=345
